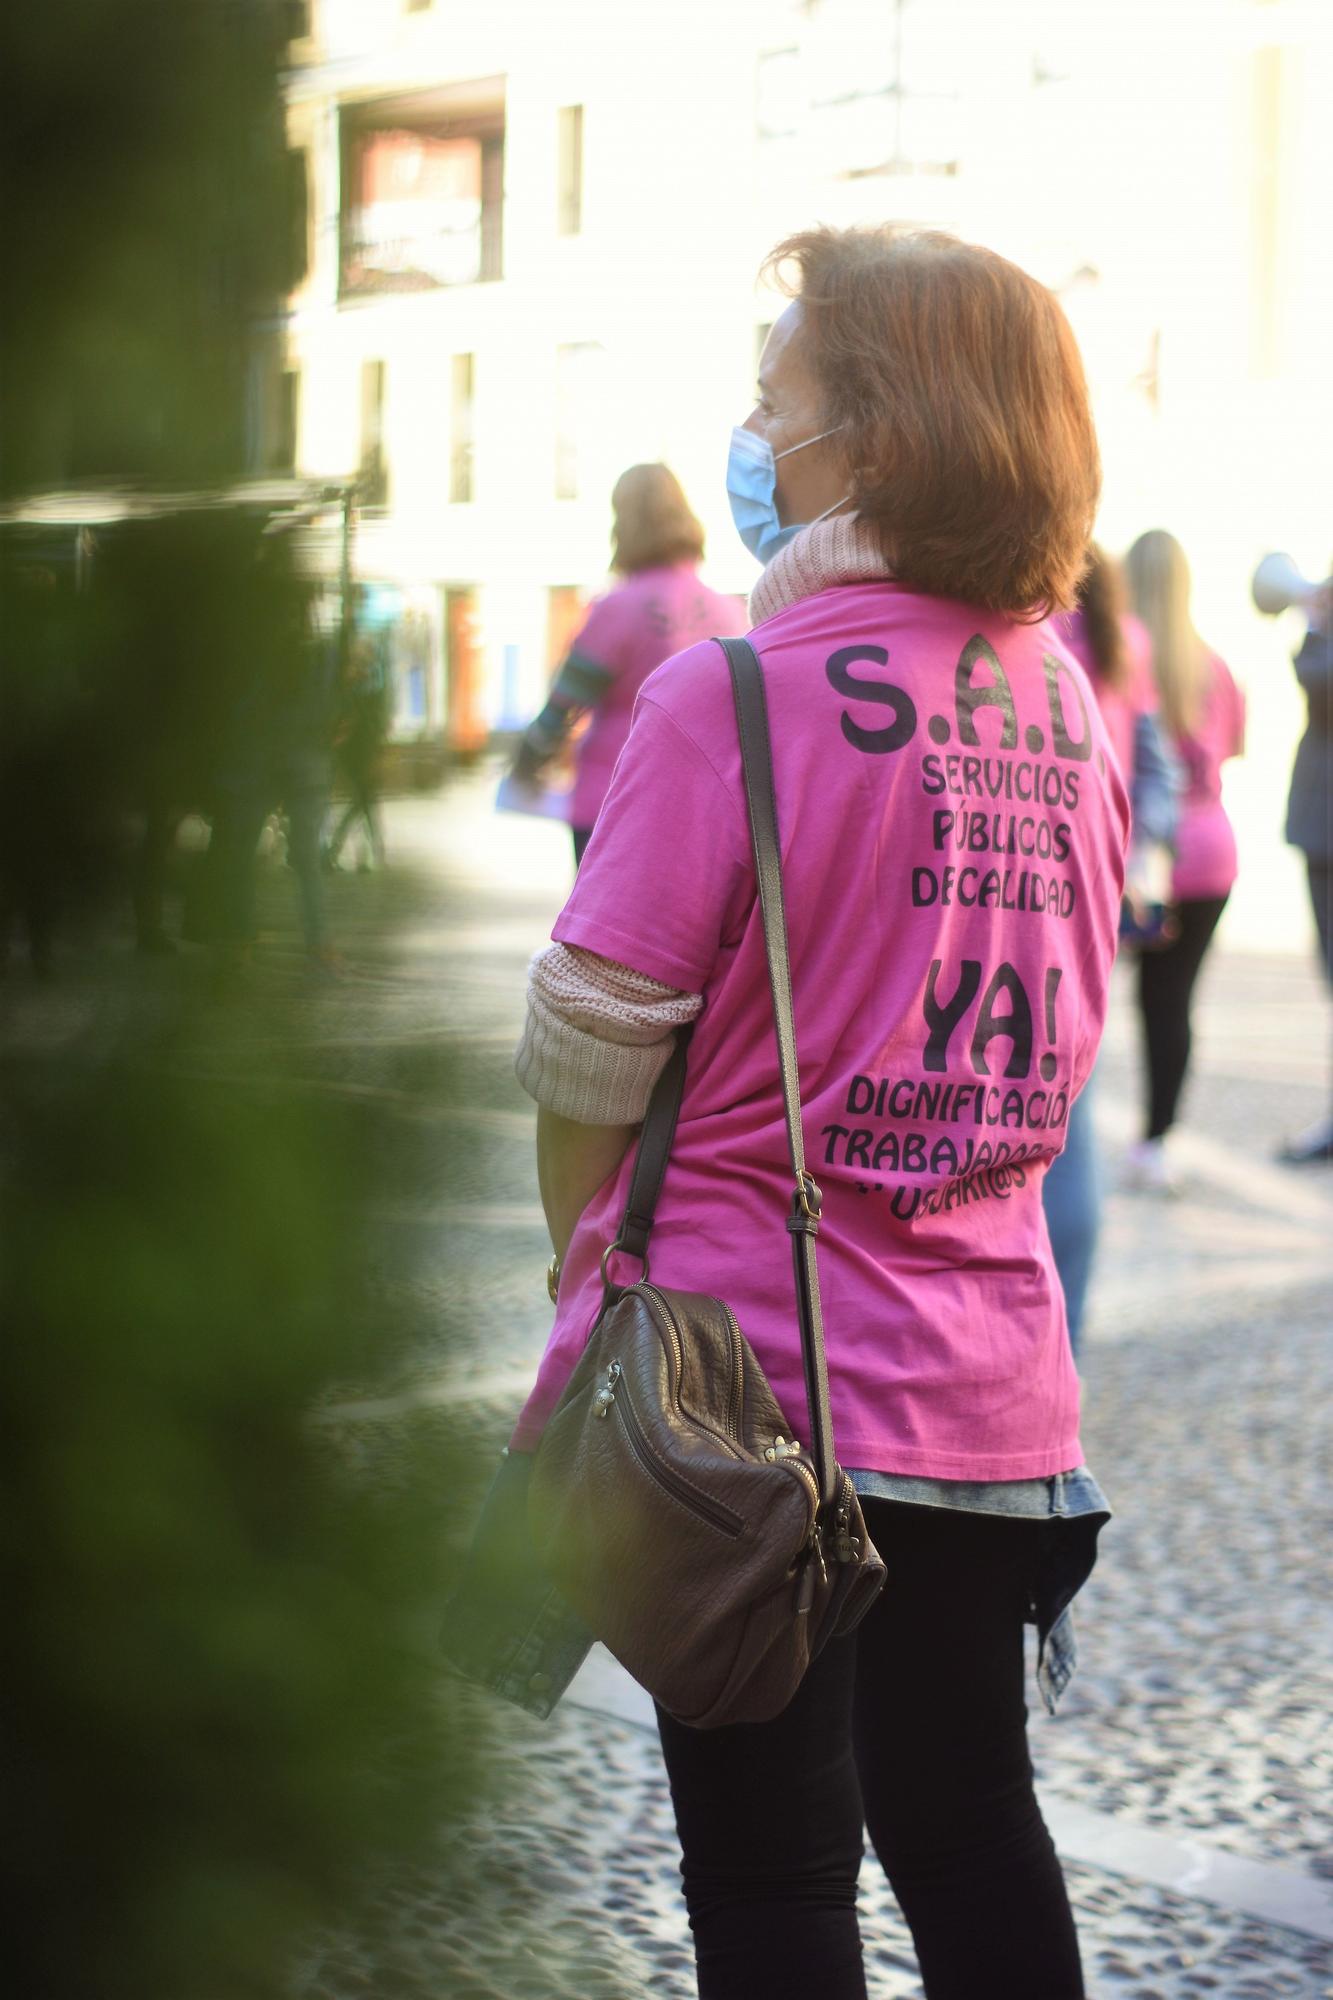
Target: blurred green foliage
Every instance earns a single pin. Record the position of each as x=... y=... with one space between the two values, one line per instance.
x=226 y=1717
x=144 y=230
x=224 y=1700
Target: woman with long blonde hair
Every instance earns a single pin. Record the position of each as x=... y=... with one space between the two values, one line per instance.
x=1203 y=713
x=1115 y=652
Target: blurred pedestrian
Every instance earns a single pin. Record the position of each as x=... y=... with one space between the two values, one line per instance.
x=1310 y=819
x=301 y=734
x=171 y=594
x=274 y=752
x=1115 y=651
x=1203 y=712
x=660 y=607
x=919 y=477
x=58 y=825
x=360 y=733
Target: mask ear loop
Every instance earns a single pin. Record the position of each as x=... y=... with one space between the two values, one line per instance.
x=830 y=510
x=818 y=439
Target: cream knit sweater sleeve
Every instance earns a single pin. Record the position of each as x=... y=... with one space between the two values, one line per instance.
x=597 y=1035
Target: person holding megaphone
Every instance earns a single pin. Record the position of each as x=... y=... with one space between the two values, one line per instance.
x=1279 y=586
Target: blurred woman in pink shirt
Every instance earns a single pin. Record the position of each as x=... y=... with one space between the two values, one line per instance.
x=1116 y=654
x=1203 y=713
x=659 y=607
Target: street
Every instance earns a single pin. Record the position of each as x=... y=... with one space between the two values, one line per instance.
x=1189 y=1776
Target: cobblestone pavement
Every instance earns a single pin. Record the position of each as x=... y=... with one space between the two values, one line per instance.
x=1189 y=1776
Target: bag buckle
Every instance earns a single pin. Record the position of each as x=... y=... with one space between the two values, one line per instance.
x=807 y=1206
x=607 y=1254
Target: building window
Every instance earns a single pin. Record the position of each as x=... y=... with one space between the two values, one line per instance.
x=424 y=177
x=373 y=474
x=578 y=419
x=298 y=216
x=779 y=94
x=287 y=425
x=492 y=208
x=1056 y=34
x=296 y=19
x=569 y=170
x=462 y=373
x=873 y=88
x=272 y=411
x=464 y=661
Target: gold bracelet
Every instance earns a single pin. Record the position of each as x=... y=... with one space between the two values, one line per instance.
x=553 y=1279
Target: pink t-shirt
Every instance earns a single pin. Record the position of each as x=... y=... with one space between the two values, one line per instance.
x=629 y=632
x=1206 y=860
x=1136 y=693
x=953 y=836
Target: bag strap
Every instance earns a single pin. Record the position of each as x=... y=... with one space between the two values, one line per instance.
x=650 y=1162
x=659 y=1124
x=747 y=681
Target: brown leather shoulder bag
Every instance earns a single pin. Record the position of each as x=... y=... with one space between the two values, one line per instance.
x=712 y=1554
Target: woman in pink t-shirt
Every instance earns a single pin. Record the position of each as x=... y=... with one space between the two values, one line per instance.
x=919 y=477
x=660 y=608
x=1116 y=653
x=1203 y=712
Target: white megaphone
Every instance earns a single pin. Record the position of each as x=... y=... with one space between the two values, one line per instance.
x=1277 y=584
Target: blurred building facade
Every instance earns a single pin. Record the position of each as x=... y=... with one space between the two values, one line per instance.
x=530 y=239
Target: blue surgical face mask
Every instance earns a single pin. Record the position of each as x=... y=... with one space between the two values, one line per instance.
x=752 y=480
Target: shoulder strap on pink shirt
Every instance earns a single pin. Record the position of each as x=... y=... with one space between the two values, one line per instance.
x=659 y=1125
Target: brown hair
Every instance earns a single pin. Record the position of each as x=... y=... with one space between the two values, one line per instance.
x=968 y=437
x=1101 y=599
x=653 y=523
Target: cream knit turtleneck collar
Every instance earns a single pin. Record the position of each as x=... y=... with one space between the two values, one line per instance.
x=843 y=549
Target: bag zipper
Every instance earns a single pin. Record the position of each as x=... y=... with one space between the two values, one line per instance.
x=846 y=1545
x=803 y=1472
x=737 y=1372
x=612 y=1392
x=731 y=1437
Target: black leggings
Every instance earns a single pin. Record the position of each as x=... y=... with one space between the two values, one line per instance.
x=1167 y=977
x=915 y=1729
x=362 y=804
x=1320 y=874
